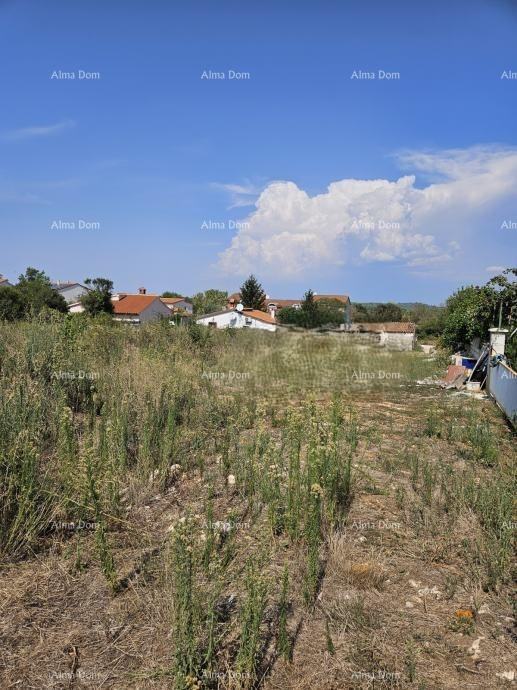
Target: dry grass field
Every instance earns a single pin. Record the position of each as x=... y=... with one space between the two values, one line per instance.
x=182 y=508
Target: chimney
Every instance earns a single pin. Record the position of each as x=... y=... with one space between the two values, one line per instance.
x=142 y=291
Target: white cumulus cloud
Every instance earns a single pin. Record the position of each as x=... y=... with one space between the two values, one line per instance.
x=373 y=220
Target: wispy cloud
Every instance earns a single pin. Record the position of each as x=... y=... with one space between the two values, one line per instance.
x=13 y=197
x=36 y=132
x=240 y=194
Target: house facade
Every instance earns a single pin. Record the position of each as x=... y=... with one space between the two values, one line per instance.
x=71 y=292
x=138 y=309
x=178 y=305
x=4 y=282
x=238 y=318
x=75 y=308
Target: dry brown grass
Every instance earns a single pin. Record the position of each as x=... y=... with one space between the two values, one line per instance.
x=395 y=573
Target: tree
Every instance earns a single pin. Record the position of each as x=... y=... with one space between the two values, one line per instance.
x=291 y=316
x=37 y=292
x=252 y=294
x=313 y=314
x=330 y=312
x=12 y=306
x=467 y=316
x=472 y=310
x=209 y=301
x=309 y=310
x=430 y=323
x=505 y=295
x=387 y=312
x=98 y=299
x=361 y=313
x=168 y=293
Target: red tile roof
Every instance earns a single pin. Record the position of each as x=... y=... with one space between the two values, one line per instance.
x=281 y=303
x=340 y=298
x=259 y=315
x=172 y=300
x=132 y=304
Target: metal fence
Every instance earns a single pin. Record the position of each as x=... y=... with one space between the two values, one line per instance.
x=502 y=385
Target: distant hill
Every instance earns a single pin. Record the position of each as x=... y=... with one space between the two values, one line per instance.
x=402 y=305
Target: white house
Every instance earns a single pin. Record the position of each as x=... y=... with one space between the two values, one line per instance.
x=4 y=282
x=75 y=308
x=71 y=292
x=238 y=318
x=139 y=308
x=177 y=305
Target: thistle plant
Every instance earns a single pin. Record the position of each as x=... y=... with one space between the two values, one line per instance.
x=186 y=660
x=251 y=616
x=284 y=644
x=313 y=539
x=104 y=551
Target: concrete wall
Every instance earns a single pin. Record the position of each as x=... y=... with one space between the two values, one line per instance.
x=356 y=338
x=398 y=341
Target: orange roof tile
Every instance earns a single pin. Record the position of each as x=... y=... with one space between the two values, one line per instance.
x=172 y=300
x=281 y=303
x=259 y=315
x=340 y=298
x=132 y=304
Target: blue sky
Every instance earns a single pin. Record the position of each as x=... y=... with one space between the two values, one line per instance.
x=384 y=189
